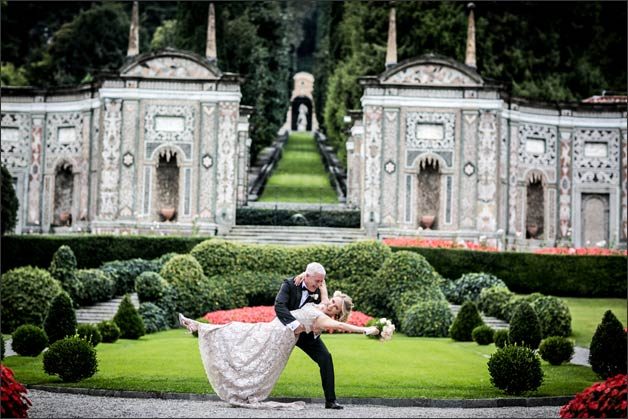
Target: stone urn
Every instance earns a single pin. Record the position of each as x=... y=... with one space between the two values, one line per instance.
x=64 y=217
x=427 y=221
x=533 y=230
x=167 y=213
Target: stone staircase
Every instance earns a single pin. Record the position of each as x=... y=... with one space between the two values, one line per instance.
x=102 y=311
x=493 y=322
x=294 y=235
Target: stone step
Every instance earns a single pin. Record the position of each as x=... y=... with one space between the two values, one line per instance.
x=102 y=311
x=493 y=322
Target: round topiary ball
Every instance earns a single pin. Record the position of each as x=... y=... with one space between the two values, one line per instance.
x=427 y=318
x=191 y=287
x=515 y=369
x=467 y=319
x=109 y=331
x=97 y=286
x=72 y=359
x=149 y=287
x=500 y=337
x=556 y=349
x=553 y=315
x=29 y=340
x=469 y=286
x=493 y=300
x=482 y=335
x=215 y=256
x=361 y=259
x=89 y=333
x=525 y=328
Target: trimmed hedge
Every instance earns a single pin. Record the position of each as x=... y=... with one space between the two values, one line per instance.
x=92 y=250
x=524 y=273
x=283 y=217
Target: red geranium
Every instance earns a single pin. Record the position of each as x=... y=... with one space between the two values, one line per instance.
x=14 y=404
x=443 y=244
x=605 y=399
x=581 y=251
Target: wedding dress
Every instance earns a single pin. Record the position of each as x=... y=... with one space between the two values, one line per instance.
x=243 y=361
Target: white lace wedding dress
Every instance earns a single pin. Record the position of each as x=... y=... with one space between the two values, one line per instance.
x=243 y=361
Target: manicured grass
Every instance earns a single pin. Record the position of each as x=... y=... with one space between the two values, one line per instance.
x=404 y=367
x=587 y=313
x=300 y=175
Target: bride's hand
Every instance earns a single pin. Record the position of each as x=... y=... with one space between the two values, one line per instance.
x=371 y=331
x=298 y=280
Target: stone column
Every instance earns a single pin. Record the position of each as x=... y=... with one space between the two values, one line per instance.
x=110 y=161
x=469 y=174
x=226 y=176
x=487 y=172
x=35 y=171
x=371 y=210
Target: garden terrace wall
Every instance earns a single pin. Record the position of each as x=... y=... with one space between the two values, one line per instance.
x=285 y=217
x=575 y=276
x=91 y=251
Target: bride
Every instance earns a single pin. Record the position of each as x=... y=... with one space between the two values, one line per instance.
x=243 y=361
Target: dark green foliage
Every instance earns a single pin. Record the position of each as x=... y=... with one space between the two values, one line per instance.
x=284 y=217
x=554 y=316
x=469 y=286
x=149 y=287
x=154 y=318
x=607 y=354
x=511 y=306
x=448 y=287
x=492 y=301
x=109 y=331
x=427 y=294
x=2 y=346
x=525 y=329
x=361 y=259
x=90 y=333
x=168 y=303
x=247 y=289
x=124 y=272
x=482 y=335
x=128 y=320
x=63 y=269
x=96 y=286
x=556 y=349
x=26 y=296
x=216 y=257
x=72 y=359
x=525 y=273
x=9 y=202
x=467 y=319
x=61 y=319
x=427 y=318
x=500 y=337
x=29 y=340
x=515 y=369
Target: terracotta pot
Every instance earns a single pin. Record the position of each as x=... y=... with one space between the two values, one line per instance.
x=167 y=213
x=64 y=217
x=427 y=221
x=533 y=230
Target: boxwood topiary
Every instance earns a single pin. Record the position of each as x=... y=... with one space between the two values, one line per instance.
x=360 y=259
x=525 y=328
x=515 y=369
x=124 y=272
x=556 y=349
x=128 y=320
x=61 y=319
x=89 y=333
x=63 y=269
x=607 y=354
x=410 y=298
x=97 y=286
x=427 y=318
x=72 y=359
x=154 y=318
x=500 y=337
x=482 y=335
x=109 y=331
x=492 y=301
x=215 y=257
x=469 y=286
x=467 y=319
x=554 y=316
x=513 y=303
x=29 y=340
x=26 y=296
x=149 y=287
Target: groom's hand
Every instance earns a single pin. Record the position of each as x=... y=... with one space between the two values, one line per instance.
x=299 y=330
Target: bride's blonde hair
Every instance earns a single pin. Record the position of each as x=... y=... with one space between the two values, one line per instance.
x=347 y=306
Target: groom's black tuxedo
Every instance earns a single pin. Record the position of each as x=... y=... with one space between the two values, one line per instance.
x=289 y=298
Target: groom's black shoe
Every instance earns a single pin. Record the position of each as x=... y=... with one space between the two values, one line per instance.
x=332 y=405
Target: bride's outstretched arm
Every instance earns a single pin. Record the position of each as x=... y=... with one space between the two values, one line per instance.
x=325 y=322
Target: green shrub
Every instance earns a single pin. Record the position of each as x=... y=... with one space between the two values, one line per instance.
x=29 y=340
x=246 y=289
x=607 y=354
x=269 y=258
x=26 y=296
x=149 y=286
x=512 y=304
x=109 y=331
x=96 y=286
x=168 y=303
x=500 y=337
x=72 y=359
x=2 y=346
x=361 y=259
x=482 y=335
x=285 y=217
x=10 y=203
x=554 y=316
x=469 y=286
x=515 y=369
x=525 y=329
x=556 y=349
x=63 y=269
x=492 y=301
x=427 y=318
x=61 y=319
x=448 y=287
x=128 y=320
x=124 y=272
x=154 y=318
x=89 y=333
x=216 y=257
x=410 y=298
x=467 y=319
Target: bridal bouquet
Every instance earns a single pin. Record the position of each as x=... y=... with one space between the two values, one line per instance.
x=385 y=326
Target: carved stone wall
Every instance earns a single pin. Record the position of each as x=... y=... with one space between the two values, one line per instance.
x=128 y=169
x=207 y=171
x=390 y=162
x=487 y=172
x=110 y=161
x=371 y=213
x=226 y=170
x=564 y=184
x=468 y=178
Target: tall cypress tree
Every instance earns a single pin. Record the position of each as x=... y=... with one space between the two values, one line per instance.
x=607 y=354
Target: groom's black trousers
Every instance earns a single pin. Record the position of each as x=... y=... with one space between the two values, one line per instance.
x=315 y=348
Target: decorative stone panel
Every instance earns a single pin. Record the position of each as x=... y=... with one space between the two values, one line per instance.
x=169 y=124
x=64 y=139
x=487 y=172
x=110 y=162
x=128 y=168
x=35 y=172
x=564 y=184
x=372 y=169
x=431 y=74
x=532 y=136
x=389 y=183
x=468 y=183
x=514 y=221
x=207 y=173
x=624 y=187
x=430 y=131
x=226 y=169
x=15 y=143
x=596 y=167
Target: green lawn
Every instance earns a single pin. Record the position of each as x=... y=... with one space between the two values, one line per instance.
x=587 y=313
x=300 y=175
x=404 y=367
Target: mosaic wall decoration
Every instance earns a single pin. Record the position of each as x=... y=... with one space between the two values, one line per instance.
x=128 y=169
x=206 y=175
x=373 y=116
x=596 y=167
x=513 y=221
x=487 y=172
x=35 y=172
x=431 y=74
x=468 y=183
x=430 y=131
x=110 y=162
x=226 y=169
x=389 y=183
x=624 y=187
x=564 y=184
x=15 y=143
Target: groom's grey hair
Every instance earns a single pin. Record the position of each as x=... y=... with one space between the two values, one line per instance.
x=315 y=268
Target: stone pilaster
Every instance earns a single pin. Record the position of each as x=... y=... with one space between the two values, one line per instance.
x=391 y=48
x=134 y=32
x=487 y=172
x=470 y=53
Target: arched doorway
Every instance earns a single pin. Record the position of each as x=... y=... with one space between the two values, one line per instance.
x=595 y=219
x=166 y=190
x=535 y=205
x=428 y=194
x=63 y=193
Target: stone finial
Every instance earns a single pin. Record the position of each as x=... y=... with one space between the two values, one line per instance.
x=391 y=49
x=134 y=32
x=470 y=55
x=210 y=49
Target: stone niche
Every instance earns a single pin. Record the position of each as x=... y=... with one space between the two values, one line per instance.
x=301 y=109
x=167 y=186
x=64 y=189
x=534 y=211
x=595 y=219
x=428 y=195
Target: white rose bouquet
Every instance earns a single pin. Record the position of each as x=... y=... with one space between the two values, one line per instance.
x=385 y=327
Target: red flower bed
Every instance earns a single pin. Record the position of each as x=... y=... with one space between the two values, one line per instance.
x=443 y=244
x=14 y=402
x=595 y=251
x=605 y=399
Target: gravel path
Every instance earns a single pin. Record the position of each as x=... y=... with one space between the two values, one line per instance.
x=63 y=405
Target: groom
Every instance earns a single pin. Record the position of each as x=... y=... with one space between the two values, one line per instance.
x=292 y=297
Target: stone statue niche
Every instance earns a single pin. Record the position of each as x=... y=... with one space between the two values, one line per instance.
x=428 y=195
x=301 y=114
x=64 y=189
x=595 y=219
x=534 y=211
x=167 y=186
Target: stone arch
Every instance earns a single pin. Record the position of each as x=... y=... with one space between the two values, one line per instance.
x=535 y=204
x=428 y=168
x=421 y=161
x=64 y=187
x=165 y=189
x=168 y=150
